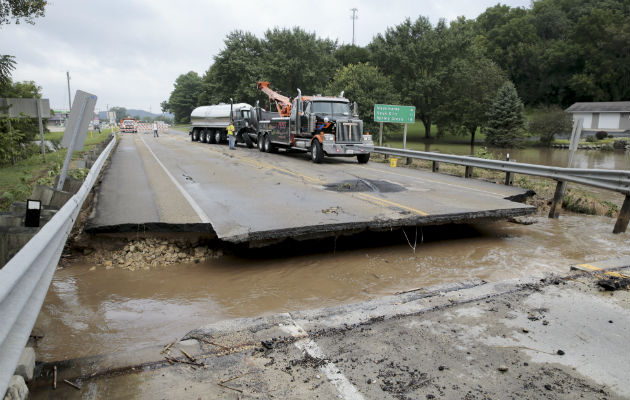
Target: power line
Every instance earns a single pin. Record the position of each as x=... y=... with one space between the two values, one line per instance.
x=354 y=17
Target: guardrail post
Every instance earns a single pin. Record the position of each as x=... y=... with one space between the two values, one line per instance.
x=468 y=172
x=509 y=179
x=624 y=216
x=435 y=167
x=408 y=161
x=558 y=196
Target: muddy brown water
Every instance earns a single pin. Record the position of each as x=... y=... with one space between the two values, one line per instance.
x=102 y=311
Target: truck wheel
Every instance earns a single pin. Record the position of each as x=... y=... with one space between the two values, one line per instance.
x=195 y=135
x=317 y=154
x=271 y=148
x=209 y=136
x=202 y=136
x=217 y=137
x=267 y=144
x=248 y=140
x=192 y=135
x=363 y=158
x=261 y=142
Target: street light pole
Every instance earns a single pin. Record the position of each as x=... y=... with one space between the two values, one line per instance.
x=69 y=98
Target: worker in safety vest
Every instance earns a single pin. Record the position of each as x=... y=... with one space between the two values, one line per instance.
x=231 y=137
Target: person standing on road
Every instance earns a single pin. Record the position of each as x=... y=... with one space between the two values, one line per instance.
x=155 y=129
x=231 y=138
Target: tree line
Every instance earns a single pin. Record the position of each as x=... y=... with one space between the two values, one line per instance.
x=554 y=53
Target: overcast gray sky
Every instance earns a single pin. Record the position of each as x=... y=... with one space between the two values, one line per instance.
x=129 y=52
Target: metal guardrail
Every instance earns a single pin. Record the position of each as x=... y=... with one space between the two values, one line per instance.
x=616 y=180
x=25 y=279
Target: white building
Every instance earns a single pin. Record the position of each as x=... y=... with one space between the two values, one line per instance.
x=613 y=116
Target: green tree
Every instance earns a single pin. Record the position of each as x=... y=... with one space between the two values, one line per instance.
x=351 y=54
x=561 y=51
x=235 y=71
x=473 y=84
x=7 y=65
x=16 y=133
x=549 y=122
x=366 y=85
x=418 y=56
x=505 y=118
x=297 y=59
x=185 y=95
x=21 y=10
x=25 y=89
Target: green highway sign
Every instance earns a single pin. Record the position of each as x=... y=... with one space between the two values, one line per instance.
x=396 y=114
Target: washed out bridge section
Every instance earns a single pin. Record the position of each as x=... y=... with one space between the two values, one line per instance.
x=245 y=196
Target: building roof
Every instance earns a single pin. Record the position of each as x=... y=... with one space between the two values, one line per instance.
x=604 y=106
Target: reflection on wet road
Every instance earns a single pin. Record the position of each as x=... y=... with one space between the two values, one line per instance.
x=100 y=311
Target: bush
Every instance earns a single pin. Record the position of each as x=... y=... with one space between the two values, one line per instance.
x=548 y=123
x=591 y=139
x=607 y=147
x=620 y=144
x=601 y=135
x=483 y=152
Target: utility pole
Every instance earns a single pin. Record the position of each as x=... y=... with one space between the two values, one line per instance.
x=354 y=18
x=69 y=98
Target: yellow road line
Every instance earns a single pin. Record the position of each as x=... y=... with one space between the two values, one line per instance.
x=264 y=165
x=391 y=203
x=594 y=268
x=363 y=196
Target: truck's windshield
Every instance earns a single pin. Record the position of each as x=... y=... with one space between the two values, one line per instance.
x=245 y=114
x=331 y=108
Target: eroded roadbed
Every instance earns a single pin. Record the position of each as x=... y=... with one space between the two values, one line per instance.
x=245 y=196
x=540 y=337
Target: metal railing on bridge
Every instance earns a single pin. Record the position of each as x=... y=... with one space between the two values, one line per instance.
x=615 y=180
x=25 y=279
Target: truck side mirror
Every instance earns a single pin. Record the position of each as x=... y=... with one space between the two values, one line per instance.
x=356 y=109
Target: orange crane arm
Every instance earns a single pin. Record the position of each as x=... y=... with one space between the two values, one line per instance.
x=283 y=103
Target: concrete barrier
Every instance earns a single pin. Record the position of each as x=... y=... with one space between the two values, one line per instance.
x=12 y=239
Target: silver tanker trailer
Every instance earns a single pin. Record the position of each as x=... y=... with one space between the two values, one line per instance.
x=208 y=124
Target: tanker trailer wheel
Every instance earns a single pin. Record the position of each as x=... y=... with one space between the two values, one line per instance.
x=317 y=154
x=363 y=158
x=203 y=136
x=193 y=136
x=261 y=142
x=217 y=136
x=209 y=136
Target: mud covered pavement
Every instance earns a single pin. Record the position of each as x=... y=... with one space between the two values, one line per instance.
x=549 y=337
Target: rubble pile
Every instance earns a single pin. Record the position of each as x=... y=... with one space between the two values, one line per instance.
x=149 y=252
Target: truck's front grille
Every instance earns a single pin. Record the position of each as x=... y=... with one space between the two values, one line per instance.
x=349 y=132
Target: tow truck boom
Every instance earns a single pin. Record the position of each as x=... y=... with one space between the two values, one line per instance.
x=283 y=103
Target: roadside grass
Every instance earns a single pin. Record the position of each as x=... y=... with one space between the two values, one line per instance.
x=17 y=181
x=594 y=142
x=576 y=198
x=181 y=127
x=416 y=132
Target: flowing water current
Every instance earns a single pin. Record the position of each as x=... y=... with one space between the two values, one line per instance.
x=89 y=312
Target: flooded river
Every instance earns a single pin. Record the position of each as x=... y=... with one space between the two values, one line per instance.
x=618 y=159
x=101 y=311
